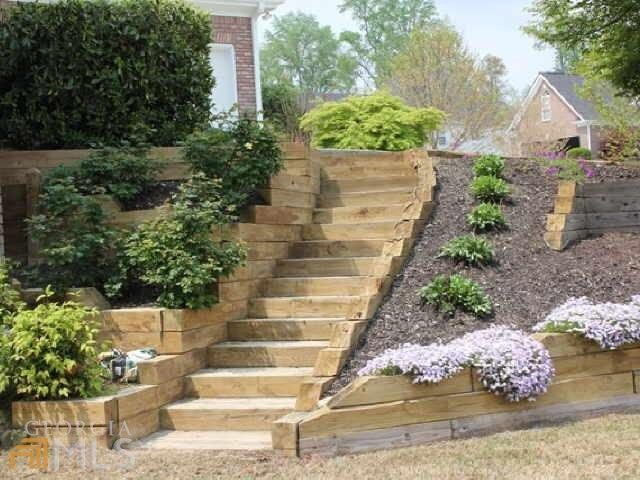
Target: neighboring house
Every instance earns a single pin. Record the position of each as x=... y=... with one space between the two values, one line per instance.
x=235 y=53
x=554 y=116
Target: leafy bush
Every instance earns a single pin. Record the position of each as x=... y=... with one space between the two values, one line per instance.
x=469 y=249
x=449 y=293
x=178 y=254
x=373 y=122
x=488 y=165
x=570 y=169
x=485 y=217
x=488 y=188
x=579 y=152
x=51 y=353
x=611 y=325
x=77 y=247
x=80 y=72
x=509 y=362
x=283 y=109
x=243 y=155
x=121 y=172
x=10 y=301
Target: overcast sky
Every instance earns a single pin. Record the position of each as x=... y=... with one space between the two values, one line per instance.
x=489 y=26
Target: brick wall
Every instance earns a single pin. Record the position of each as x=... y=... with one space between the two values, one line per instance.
x=237 y=32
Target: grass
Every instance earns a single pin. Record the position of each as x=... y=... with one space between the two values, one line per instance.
x=604 y=448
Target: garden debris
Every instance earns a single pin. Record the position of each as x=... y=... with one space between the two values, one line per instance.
x=124 y=366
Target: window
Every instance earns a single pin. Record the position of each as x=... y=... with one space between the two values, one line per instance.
x=546 y=106
x=225 y=92
x=442 y=141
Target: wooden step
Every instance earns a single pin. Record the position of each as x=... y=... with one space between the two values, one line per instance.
x=212 y=440
x=337 y=248
x=239 y=413
x=269 y=215
x=372 y=160
x=366 y=199
x=370 y=231
x=367 y=169
x=359 y=214
x=349 y=307
x=370 y=184
x=333 y=267
x=265 y=354
x=281 y=328
x=246 y=382
x=297 y=286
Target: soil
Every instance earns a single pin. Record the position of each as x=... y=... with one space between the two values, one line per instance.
x=528 y=279
x=153 y=196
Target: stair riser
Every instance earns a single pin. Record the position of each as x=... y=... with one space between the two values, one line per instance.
x=371 y=231
x=356 y=215
x=346 y=267
x=287 y=287
x=337 y=249
x=365 y=184
x=362 y=170
x=204 y=419
x=372 y=199
x=280 y=330
x=285 y=308
x=229 y=387
x=262 y=357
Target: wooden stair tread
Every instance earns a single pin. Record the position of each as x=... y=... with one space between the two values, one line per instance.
x=253 y=372
x=286 y=319
x=206 y=440
x=233 y=403
x=272 y=344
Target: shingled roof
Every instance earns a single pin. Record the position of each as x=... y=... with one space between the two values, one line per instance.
x=567 y=86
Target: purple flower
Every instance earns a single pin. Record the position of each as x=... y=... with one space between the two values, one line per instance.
x=611 y=325
x=553 y=170
x=508 y=362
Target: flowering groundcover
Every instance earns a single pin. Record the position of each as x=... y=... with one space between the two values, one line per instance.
x=611 y=325
x=509 y=362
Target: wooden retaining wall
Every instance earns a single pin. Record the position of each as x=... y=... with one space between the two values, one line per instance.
x=387 y=412
x=581 y=211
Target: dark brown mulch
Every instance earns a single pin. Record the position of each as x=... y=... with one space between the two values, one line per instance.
x=529 y=279
x=153 y=196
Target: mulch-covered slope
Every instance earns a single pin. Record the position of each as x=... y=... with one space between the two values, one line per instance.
x=529 y=279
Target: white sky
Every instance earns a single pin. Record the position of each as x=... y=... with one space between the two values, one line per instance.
x=488 y=26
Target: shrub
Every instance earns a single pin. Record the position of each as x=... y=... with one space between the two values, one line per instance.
x=469 y=249
x=10 y=301
x=80 y=72
x=449 y=293
x=570 y=170
x=77 y=247
x=488 y=188
x=611 y=325
x=373 y=122
x=51 y=353
x=121 y=172
x=508 y=362
x=579 y=152
x=491 y=165
x=485 y=217
x=243 y=155
x=282 y=109
x=178 y=254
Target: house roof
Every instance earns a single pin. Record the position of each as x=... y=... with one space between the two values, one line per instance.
x=567 y=85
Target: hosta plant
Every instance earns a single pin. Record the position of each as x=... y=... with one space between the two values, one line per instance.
x=488 y=188
x=468 y=249
x=450 y=293
x=51 y=353
x=486 y=217
x=508 y=362
x=488 y=165
x=611 y=325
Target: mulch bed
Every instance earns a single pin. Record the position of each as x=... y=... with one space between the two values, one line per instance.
x=527 y=282
x=153 y=196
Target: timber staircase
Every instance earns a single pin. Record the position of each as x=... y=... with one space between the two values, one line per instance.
x=369 y=209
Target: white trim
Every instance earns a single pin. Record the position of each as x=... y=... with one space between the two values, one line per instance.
x=546 y=111
x=256 y=67
x=237 y=8
x=589 y=137
x=540 y=79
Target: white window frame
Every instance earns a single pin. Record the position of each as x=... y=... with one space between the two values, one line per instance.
x=229 y=48
x=545 y=106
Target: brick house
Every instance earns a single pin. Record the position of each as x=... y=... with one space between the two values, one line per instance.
x=553 y=116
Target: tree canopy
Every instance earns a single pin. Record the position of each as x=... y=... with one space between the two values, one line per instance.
x=300 y=52
x=607 y=31
x=385 y=26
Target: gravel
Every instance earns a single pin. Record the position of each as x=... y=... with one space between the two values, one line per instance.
x=528 y=280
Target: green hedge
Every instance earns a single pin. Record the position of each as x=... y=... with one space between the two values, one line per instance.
x=84 y=72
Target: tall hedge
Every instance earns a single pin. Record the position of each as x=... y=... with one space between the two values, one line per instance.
x=83 y=72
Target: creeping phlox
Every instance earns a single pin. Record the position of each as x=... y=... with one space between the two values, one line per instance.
x=509 y=362
x=611 y=325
